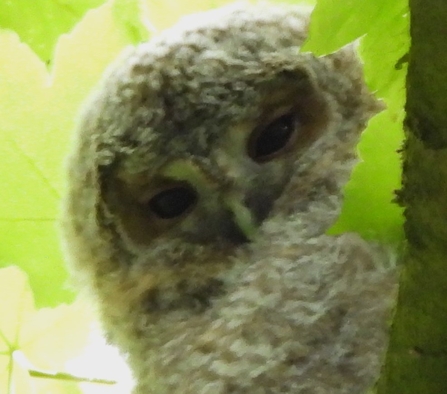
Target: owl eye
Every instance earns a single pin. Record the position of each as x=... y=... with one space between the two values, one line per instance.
x=266 y=143
x=173 y=201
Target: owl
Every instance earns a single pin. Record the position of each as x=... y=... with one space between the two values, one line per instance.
x=206 y=169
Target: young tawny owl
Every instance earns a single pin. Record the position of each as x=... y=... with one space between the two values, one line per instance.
x=206 y=168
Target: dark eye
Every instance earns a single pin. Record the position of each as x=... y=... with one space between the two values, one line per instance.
x=173 y=201
x=268 y=142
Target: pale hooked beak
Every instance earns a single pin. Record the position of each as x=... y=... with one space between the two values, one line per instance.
x=243 y=217
x=233 y=195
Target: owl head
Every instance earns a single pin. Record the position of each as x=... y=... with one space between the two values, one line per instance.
x=189 y=145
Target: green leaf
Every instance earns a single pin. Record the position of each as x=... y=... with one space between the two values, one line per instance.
x=128 y=15
x=41 y=24
x=51 y=336
x=383 y=51
x=16 y=304
x=368 y=207
x=37 y=116
x=337 y=23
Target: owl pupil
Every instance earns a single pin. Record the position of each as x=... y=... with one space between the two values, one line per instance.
x=173 y=202
x=273 y=138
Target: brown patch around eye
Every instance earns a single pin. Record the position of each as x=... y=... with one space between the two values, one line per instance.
x=293 y=115
x=268 y=142
x=144 y=212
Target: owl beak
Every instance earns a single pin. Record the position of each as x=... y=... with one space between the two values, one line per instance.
x=243 y=217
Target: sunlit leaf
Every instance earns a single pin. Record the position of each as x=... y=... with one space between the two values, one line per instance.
x=29 y=338
x=337 y=23
x=16 y=304
x=21 y=382
x=383 y=51
x=53 y=335
x=41 y=23
x=37 y=114
x=368 y=207
x=130 y=17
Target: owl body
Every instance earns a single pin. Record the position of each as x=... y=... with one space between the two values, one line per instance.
x=207 y=167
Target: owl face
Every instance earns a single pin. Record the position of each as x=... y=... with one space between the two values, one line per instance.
x=222 y=189
x=200 y=177
x=194 y=138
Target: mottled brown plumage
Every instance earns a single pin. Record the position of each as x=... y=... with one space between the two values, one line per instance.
x=206 y=168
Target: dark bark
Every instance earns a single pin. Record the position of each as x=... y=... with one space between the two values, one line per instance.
x=417 y=357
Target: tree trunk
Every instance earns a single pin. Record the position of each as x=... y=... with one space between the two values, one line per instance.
x=417 y=357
